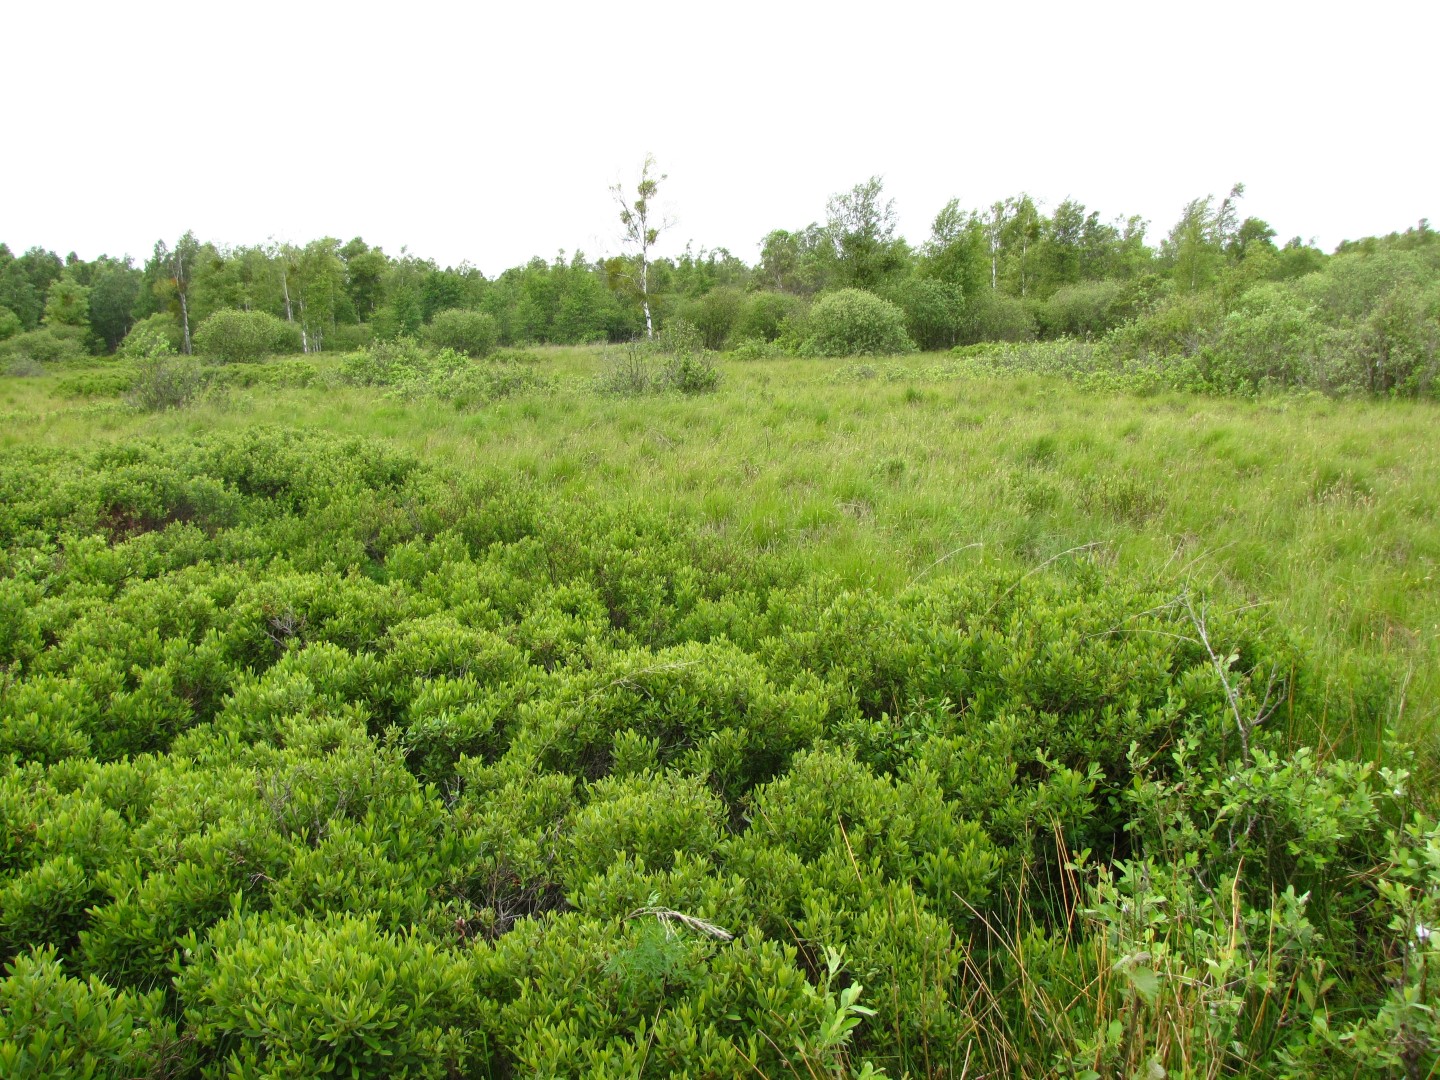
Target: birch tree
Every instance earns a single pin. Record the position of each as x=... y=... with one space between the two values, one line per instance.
x=176 y=270
x=642 y=228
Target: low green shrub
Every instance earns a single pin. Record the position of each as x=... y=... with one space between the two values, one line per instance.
x=675 y=360
x=472 y=333
x=47 y=345
x=53 y=1025
x=24 y=368
x=410 y=372
x=852 y=322
x=109 y=382
x=150 y=335
x=267 y=997
x=237 y=337
x=756 y=349
x=628 y=370
x=165 y=382
x=689 y=367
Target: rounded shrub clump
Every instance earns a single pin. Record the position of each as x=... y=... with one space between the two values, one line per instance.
x=152 y=334
x=470 y=332
x=853 y=322
x=240 y=336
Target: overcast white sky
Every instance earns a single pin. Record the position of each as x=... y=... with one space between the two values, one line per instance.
x=490 y=132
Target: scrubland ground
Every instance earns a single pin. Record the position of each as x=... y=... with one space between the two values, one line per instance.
x=878 y=473
x=851 y=719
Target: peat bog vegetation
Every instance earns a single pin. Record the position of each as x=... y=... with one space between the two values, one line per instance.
x=454 y=699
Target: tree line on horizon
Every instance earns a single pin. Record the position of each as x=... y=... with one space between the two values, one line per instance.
x=1007 y=272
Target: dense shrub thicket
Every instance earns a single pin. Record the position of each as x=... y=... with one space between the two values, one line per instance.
x=314 y=760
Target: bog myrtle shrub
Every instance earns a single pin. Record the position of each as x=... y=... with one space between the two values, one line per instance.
x=315 y=759
x=55 y=1025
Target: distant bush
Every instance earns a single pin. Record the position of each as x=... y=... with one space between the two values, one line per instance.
x=1396 y=349
x=934 y=311
x=1176 y=326
x=993 y=316
x=165 y=381
x=627 y=370
x=1087 y=310
x=413 y=373
x=296 y=373
x=675 y=360
x=470 y=332
x=756 y=349
x=852 y=322
x=765 y=315
x=715 y=314
x=148 y=334
x=385 y=363
x=1268 y=341
x=111 y=381
x=48 y=345
x=689 y=365
x=241 y=336
x=10 y=324
x=22 y=368
x=348 y=337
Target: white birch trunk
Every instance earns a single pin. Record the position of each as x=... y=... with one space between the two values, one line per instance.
x=645 y=294
x=185 y=319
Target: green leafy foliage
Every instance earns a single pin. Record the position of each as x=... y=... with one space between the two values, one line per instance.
x=470 y=332
x=154 y=333
x=852 y=322
x=411 y=372
x=273 y=998
x=242 y=336
x=49 y=345
x=54 y=1026
x=316 y=759
x=165 y=381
